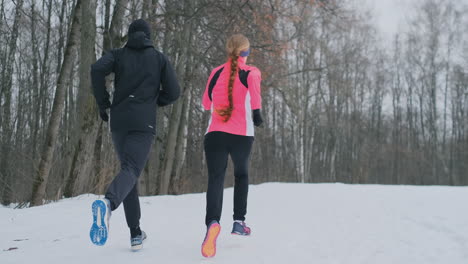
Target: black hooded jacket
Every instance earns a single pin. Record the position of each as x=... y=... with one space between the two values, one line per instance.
x=144 y=79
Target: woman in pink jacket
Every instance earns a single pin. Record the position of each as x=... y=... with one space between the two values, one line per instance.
x=232 y=95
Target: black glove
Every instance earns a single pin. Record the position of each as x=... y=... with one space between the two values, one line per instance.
x=103 y=114
x=257 y=117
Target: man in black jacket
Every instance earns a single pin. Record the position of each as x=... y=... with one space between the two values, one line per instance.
x=144 y=79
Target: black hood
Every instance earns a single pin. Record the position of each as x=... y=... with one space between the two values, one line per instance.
x=139 y=35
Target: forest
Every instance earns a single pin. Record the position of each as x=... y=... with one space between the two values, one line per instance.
x=340 y=103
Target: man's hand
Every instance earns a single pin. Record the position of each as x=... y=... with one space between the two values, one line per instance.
x=103 y=114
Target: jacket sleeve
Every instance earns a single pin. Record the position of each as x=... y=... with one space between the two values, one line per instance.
x=206 y=101
x=170 y=89
x=254 y=80
x=99 y=70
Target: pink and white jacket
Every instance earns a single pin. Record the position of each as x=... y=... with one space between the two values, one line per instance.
x=246 y=97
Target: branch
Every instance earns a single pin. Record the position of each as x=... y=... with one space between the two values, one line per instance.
x=302 y=71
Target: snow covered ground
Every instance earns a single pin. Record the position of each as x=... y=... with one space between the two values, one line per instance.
x=291 y=223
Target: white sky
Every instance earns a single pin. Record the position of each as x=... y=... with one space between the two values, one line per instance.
x=390 y=15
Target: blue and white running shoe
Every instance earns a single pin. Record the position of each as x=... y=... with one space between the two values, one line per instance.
x=137 y=242
x=100 y=228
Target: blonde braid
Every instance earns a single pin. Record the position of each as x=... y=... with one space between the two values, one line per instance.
x=235 y=45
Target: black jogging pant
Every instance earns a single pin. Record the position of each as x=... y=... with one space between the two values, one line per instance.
x=218 y=147
x=132 y=149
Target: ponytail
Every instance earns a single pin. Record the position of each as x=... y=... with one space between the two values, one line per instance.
x=227 y=112
x=235 y=45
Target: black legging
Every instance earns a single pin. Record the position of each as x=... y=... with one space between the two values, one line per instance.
x=218 y=146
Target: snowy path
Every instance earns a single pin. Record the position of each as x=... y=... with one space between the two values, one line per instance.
x=291 y=223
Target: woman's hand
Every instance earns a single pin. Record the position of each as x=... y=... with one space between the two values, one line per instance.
x=257 y=117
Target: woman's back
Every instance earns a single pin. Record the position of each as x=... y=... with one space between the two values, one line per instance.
x=245 y=97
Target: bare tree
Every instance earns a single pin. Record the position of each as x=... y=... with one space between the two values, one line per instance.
x=6 y=93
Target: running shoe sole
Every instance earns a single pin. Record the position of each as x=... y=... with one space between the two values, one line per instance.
x=209 y=245
x=99 y=229
x=137 y=247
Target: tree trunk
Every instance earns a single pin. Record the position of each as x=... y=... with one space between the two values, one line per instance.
x=88 y=125
x=62 y=33
x=175 y=120
x=113 y=39
x=36 y=105
x=169 y=155
x=41 y=180
x=181 y=142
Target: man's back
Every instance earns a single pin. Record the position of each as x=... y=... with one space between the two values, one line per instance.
x=140 y=70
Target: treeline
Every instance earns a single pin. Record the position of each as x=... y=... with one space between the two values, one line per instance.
x=340 y=104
